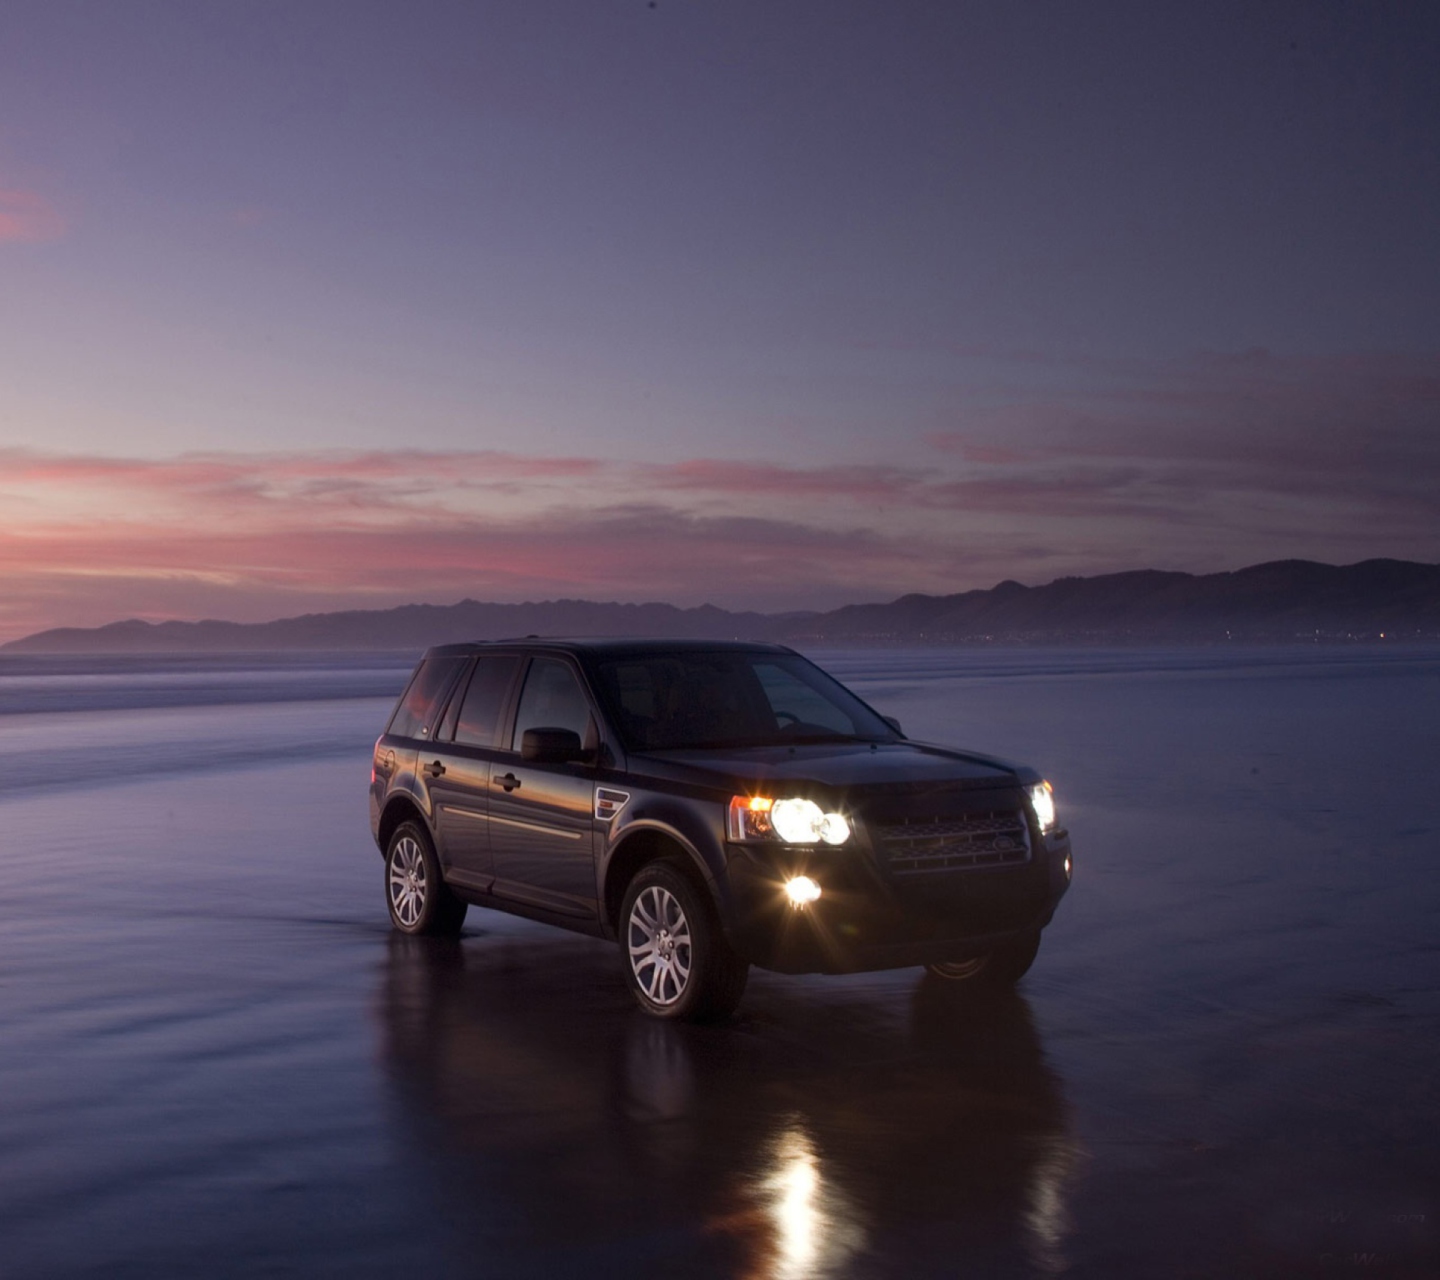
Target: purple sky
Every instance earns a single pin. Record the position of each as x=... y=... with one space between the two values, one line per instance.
x=316 y=305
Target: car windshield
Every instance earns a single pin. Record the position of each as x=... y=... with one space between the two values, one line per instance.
x=730 y=698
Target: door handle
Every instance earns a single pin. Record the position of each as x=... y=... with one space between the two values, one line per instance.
x=434 y=768
x=509 y=781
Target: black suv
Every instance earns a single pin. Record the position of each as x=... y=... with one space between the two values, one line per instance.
x=710 y=806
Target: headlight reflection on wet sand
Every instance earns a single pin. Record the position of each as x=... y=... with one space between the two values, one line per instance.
x=1047 y=1217
x=795 y=1223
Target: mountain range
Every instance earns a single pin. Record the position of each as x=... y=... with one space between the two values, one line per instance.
x=1281 y=601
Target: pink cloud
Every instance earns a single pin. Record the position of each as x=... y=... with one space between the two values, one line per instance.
x=27 y=217
x=191 y=469
x=1204 y=464
x=990 y=455
x=713 y=475
x=1353 y=428
x=248 y=487
x=626 y=552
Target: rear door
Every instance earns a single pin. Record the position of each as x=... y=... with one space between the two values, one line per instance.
x=542 y=815
x=409 y=730
x=455 y=769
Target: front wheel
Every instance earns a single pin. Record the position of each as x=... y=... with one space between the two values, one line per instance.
x=1003 y=967
x=420 y=901
x=677 y=961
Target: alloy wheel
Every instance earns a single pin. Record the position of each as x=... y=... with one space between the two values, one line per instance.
x=658 y=936
x=407 y=882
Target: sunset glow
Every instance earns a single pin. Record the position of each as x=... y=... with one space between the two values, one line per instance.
x=702 y=317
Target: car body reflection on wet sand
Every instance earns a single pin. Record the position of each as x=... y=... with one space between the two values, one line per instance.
x=567 y=1131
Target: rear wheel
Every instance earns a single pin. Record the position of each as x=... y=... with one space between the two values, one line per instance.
x=420 y=901
x=676 y=959
x=1003 y=967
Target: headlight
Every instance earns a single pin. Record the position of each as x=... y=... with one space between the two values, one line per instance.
x=1042 y=799
x=795 y=821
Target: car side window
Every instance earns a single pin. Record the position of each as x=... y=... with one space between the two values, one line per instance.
x=484 y=700
x=552 y=699
x=422 y=699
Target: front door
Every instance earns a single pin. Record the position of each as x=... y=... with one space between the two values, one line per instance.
x=541 y=815
x=455 y=768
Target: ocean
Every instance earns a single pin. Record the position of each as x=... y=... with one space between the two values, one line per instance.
x=216 y=1059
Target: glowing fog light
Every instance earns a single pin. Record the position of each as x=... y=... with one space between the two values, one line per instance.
x=801 y=890
x=1042 y=798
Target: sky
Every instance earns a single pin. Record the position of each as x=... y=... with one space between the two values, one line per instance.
x=771 y=304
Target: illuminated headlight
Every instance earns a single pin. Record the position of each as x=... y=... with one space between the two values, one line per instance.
x=803 y=822
x=794 y=821
x=1042 y=800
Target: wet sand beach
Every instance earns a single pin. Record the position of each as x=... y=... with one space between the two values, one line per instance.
x=216 y=1059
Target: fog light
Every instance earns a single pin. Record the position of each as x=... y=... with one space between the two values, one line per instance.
x=801 y=890
x=1067 y=866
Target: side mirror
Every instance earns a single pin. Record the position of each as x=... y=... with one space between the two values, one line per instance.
x=894 y=724
x=550 y=746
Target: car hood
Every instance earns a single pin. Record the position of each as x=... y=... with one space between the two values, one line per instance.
x=838 y=765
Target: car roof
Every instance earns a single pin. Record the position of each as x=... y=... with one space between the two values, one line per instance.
x=599 y=646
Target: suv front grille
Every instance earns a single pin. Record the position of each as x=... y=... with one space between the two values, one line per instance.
x=994 y=839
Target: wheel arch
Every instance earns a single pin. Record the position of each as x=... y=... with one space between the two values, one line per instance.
x=642 y=844
x=399 y=808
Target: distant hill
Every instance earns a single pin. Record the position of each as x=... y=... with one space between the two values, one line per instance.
x=411 y=626
x=1281 y=601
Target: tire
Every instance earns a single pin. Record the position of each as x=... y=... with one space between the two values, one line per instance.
x=1003 y=967
x=420 y=901
x=676 y=959
x=958 y=970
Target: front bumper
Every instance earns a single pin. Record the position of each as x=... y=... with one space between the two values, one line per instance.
x=867 y=919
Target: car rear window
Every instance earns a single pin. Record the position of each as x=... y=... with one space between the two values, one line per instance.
x=428 y=687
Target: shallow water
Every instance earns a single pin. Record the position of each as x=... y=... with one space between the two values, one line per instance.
x=215 y=1059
